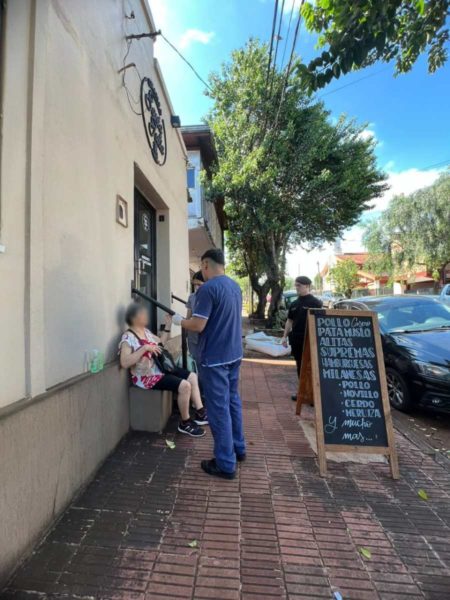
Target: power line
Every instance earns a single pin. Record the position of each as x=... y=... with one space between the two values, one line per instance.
x=353 y=82
x=287 y=35
x=297 y=29
x=274 y=69
x=443 y=163
x=187 y=62
x=274 y=22
x=288 y=68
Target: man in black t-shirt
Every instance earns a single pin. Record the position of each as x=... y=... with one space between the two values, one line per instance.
x=295 y=327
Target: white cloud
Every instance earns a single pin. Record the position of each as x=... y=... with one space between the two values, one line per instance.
x=195 y=35
x=367 y=134
x=404 y=182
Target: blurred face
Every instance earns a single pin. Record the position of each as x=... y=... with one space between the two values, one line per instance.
x=141 y=319
x=302 y=289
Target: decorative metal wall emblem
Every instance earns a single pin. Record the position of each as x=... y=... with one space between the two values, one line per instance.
x=155 y=129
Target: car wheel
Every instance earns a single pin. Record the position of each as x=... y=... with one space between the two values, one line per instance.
x=398 y=392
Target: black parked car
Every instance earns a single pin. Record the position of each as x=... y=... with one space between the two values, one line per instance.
x=415 y=332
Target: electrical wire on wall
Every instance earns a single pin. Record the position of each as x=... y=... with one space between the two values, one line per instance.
x=133 y=103
x=130 y=98
x=129 y=15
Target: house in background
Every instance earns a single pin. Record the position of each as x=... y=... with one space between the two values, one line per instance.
x=368 y=281
x=206 y=219
x=420 y=282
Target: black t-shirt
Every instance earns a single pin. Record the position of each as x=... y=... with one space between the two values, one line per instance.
x=298 y=313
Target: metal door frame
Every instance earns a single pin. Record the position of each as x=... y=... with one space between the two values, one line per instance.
x=140 y=199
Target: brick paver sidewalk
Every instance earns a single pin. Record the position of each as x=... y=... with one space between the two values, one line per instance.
x=277 y=531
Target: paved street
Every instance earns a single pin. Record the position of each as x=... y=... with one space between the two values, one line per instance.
x=152 y=526
x=429 y=429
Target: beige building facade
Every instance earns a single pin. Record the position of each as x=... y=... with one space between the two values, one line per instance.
x=206 y=219
x=87 y=210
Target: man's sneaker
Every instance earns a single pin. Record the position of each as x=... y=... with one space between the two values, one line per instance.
x=190 y=428
x=294 y=398
x=241 y=457
x=210 y=467
x=201 y=417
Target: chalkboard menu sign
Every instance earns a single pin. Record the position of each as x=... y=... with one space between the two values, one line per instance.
x=343 y=373
x=352 y=406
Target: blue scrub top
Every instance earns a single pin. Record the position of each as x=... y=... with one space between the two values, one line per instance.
x=220 y=301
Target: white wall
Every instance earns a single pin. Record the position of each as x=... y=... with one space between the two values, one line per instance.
x=195 y=207
x=13 y=185
x=202 y=215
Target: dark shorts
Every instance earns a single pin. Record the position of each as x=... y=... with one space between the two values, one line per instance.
x=172 y=382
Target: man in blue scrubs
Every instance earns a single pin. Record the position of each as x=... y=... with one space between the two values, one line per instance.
x=217 y=317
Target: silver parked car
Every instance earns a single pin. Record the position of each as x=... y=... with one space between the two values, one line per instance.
x=330 y=298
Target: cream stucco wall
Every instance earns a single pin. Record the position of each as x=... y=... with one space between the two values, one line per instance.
x=13 y=187
x=71 y=143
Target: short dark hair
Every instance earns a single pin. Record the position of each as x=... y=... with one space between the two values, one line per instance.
x=133 y=309
x=216 y=255
x=198 y=276
x=303 y=280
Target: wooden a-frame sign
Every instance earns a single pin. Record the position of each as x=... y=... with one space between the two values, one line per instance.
x=343 y=375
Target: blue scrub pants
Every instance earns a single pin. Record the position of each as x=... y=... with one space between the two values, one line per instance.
x=221 y=387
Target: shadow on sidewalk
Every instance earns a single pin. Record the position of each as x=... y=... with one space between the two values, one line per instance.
x=152 y=526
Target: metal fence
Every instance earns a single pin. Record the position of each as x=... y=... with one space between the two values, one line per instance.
x=381 y=291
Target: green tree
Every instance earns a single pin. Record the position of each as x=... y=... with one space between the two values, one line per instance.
x=345 y=277
x=318 y=282
x=353 y=35
x=413 y=231
x=287 y=173
x=289 y=282
x=378 y=244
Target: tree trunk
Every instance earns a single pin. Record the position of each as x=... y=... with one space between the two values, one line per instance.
x=261 y=292
x=276 y=275
x=276 y=294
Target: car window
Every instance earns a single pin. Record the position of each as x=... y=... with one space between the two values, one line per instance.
x=288 y=300
x=348 y=305
x=414 y=316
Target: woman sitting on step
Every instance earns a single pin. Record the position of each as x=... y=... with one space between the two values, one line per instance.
x=138 y=347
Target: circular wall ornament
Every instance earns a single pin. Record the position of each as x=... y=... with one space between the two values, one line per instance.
x=155 y=129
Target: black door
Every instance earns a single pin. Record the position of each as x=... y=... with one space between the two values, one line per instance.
x=145 y=251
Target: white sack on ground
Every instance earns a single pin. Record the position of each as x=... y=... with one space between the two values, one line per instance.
x=266 y=344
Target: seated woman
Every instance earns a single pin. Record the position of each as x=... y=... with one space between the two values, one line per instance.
x=137 y=348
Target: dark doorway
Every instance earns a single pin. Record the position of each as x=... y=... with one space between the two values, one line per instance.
x=145 y=251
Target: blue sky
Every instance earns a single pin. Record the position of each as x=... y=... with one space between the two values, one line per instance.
x=409 y=115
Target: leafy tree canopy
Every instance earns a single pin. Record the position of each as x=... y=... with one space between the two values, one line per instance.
x=288 y=174
x=354 y=35
x=412 y=231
